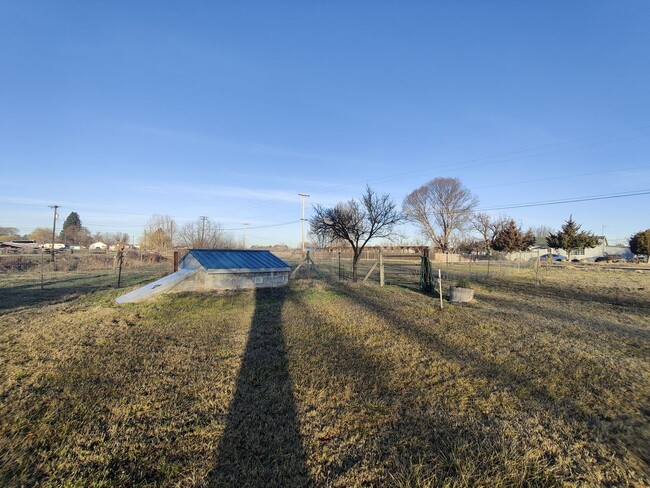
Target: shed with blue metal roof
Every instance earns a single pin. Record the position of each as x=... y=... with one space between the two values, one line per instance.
x=218 y=269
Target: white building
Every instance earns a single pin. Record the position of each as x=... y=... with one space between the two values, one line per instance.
x=540 y=248
x=98 y=246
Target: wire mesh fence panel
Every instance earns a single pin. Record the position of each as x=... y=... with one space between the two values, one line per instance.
x=493 y=273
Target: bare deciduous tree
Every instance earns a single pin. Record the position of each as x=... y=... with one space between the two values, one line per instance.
x=41 y=235
x=318 y=240
x=203 y=234
x=482 y=223
x=159 y=233
x=440 y=207
x=120 y=237
x=8 y=233
x=110 y=238
x=488 y=227
x=541 y=231
x=355 y=222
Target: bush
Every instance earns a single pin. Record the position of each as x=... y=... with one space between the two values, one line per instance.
x=16 y=265
x=153 y=257
x=132 y=254
x=73 y=264
x=463 y=283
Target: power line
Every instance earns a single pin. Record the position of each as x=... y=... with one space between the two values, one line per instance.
x=484 y=160
x=231 y=229
x=265 y=226
x=570 y=200
x=467 y=164
x=561 y=146
x=561 y=177
x=500 y=207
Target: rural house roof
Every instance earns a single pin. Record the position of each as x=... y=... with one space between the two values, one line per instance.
x=541 y=241
x=231 y=259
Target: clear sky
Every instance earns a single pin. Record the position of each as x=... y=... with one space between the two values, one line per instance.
x=120 y=110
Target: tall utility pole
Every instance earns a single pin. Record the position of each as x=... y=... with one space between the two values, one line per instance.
x=55 y=207
x=303 y=196
x=245 y=224
x=203 y=219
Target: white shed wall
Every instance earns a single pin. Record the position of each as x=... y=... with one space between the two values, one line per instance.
x=207 y=281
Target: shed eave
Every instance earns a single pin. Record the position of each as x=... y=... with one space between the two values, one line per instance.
x=248 y=270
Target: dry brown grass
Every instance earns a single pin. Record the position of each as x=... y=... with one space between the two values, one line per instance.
x=333 y=384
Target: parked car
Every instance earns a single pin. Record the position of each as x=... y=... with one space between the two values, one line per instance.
x=612 y=258
x=554 y=257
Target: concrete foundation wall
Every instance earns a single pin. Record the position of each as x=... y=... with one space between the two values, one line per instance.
x=206 y=281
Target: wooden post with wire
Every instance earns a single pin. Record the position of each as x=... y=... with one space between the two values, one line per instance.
x=309 y=262
x=42 y=259
x=440 y=286
x=120 y=259
x=55 y=207
x=379 y=262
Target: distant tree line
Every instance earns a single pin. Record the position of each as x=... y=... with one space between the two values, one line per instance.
x=162 y=233
x=443 y=210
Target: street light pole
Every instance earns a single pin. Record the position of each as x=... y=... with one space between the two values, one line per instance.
x=303 y=196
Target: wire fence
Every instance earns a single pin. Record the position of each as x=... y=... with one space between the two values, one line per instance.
x=405 y=269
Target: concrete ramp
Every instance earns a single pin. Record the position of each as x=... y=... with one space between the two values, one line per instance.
x=157 y=287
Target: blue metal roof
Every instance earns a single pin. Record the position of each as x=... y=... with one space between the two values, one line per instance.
x=237 y=259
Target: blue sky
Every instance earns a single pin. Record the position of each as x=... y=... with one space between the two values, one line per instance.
x=122 y=110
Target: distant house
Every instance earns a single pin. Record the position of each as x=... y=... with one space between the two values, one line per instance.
x=620 y=251
x=19 y=245
x=218 y=269
x=540 y=248
x=98 y=246
x=57 y=246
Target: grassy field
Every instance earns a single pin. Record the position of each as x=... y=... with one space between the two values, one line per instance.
x=328 y=383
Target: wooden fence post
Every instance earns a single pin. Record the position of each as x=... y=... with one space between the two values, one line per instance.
x=381 y=266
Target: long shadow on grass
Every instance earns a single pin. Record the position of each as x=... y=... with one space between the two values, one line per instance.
x=629 y=339
x=383 y=432
x=133 y=393
x=30 y=294
x=554 y=291
x=261 y=444
x=536 y=397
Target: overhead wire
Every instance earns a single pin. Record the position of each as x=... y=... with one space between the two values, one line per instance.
x=481 y=161
x=562 y=177
x=469 y=163
x=634 y=193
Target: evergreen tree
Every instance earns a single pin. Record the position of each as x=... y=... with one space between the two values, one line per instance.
x=640 y=242
x=511 y=238
x=72 y=229
x=570 y=238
